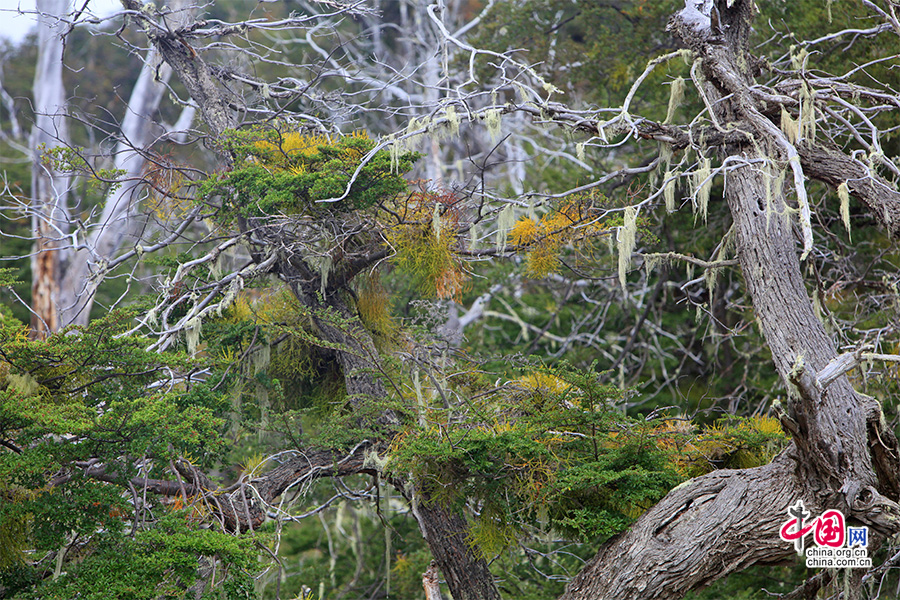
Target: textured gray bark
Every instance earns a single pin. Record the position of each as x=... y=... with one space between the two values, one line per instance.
x=842 y=455
x=702 y=530
x=833 y=167
x=445 y=531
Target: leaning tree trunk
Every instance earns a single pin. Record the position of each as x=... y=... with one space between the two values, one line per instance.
x=843 y=456
x=445 y=531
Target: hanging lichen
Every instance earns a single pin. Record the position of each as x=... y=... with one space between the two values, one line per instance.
x=265 y=405
x=436 y=221
x=417 y=130
x=804 y=210
x=579 y=151
x=798 y=60
x=396 y=150
x=710 y=276
x=654 y=259
x=702 y=183
x=452 y=120
x=473 y=236
x=230 y=295
x=322 y=263
x=818 y=309
x=152 y=316
x=626 y=238
x=676 y=95
x=505 y=221
x=789 y=126
x=807 y=113
x=493 y=122
x=844 y=195
x=665 y=154
x=192 y=334
x=669 y=179
x=260 y=358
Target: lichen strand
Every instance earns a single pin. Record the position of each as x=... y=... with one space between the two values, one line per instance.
x=844 y=195
x=626 y=239
x=676 y=95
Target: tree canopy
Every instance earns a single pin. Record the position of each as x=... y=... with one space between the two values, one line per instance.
x=526 y=299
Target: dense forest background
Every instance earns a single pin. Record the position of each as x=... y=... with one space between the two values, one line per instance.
x=515 y=317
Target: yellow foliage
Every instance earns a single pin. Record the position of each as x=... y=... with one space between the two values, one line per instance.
x=422 y=251
x=541 y=262
x=544 y=238
x=292 y=358
x=240 y=310
x=544 y=382
x=373 y=303
x=525 y=232
x=275 y=306
x=294 y=144
x=402 y=565
x=720 y=444
x=252 y=466
x=767 y=425
x=279 y=306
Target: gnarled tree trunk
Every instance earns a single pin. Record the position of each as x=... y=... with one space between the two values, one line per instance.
x=728 y=520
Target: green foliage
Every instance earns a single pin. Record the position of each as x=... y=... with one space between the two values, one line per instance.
x=287 y=172
x=64 y=159
x=92 y=383
x=556 y=453
x=550 y=452
x=553 y=451
x=8 y=277
x=161 y=562
x=429 y=258
x=81 y=414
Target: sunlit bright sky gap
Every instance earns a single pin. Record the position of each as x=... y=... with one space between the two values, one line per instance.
x=15 y=26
